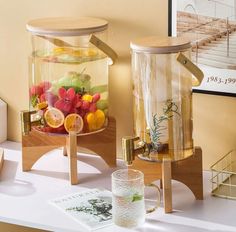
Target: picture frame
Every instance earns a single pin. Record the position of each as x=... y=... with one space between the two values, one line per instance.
x=210 y=25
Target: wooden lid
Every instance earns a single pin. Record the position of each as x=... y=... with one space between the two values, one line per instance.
x=160 y=45
x=66 y=26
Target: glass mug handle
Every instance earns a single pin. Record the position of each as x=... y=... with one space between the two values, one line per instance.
x=150 y=210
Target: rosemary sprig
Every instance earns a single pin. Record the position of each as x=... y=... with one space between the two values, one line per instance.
x=169 y=110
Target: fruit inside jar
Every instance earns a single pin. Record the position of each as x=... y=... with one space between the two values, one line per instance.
x=69 y=89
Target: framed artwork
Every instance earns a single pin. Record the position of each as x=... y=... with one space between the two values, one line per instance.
x=210 y=25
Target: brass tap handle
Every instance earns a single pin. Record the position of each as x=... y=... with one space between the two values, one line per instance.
x=26 y=121
x=128 y=148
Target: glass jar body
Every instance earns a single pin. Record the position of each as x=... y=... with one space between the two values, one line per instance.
x=162 y=103
x=68 y=83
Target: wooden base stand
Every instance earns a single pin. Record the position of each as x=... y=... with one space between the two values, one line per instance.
x=188 y=171
x=36 y=144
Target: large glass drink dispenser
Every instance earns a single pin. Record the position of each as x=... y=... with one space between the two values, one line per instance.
x=162 y=95
x=68 y=84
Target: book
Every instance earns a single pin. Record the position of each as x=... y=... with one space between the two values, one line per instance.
x=91 y=208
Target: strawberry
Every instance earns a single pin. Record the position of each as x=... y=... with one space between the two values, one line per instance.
x=35 y=90
x=92 y=107
x=45 y=85
x=85 y=105
x=96 y=97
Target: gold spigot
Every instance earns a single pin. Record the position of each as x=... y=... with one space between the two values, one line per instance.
x=26 y=121
x=130 y=150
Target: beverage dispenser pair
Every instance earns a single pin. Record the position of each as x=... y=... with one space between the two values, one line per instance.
x=68 y=92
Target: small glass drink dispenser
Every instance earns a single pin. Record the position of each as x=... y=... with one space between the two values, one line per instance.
x=68 y=91
x=69 y=74
x=163 y=75
x=162 y=96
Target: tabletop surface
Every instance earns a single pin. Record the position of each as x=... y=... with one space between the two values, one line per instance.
x=24 y=196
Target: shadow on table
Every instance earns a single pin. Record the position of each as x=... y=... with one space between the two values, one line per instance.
x=152 y=225
x=53 y=174
x=88 y=180
x=210 y=210
x=99 y=163
x=11 y=186
x=101 y=178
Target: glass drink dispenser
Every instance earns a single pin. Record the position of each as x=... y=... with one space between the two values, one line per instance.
x=68 y=84
x=162 y=95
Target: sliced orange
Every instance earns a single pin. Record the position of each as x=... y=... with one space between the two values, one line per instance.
x=54 y=117
x=73 y=122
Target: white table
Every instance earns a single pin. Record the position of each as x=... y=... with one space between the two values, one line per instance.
x=24 y=197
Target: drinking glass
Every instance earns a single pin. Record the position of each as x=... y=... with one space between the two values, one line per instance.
x=128 y=207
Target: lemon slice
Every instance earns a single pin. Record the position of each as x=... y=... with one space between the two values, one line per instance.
x=91 y=52
x=42 y=105
x=73 y=122
x=54 y=117
x=62 y=50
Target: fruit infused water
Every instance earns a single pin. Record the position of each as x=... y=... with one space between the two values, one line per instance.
x=69 y=89
x=68 y=85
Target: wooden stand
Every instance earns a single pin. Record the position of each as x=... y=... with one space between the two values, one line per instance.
x=1 y=158
x=36 y=144
x=188 y=171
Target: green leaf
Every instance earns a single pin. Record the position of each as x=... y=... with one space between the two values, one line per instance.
x=77 y=89
x=137 y=197
x=34 y=100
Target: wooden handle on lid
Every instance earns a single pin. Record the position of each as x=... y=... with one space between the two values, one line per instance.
x=103 y=47
x=94 y=40
x=192 y=68
x=55 y=41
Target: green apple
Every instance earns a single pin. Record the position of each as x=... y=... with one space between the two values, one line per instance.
x=102 y=104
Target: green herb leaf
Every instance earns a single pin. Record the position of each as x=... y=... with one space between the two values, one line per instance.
x=137 y=197
x=34 y=100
